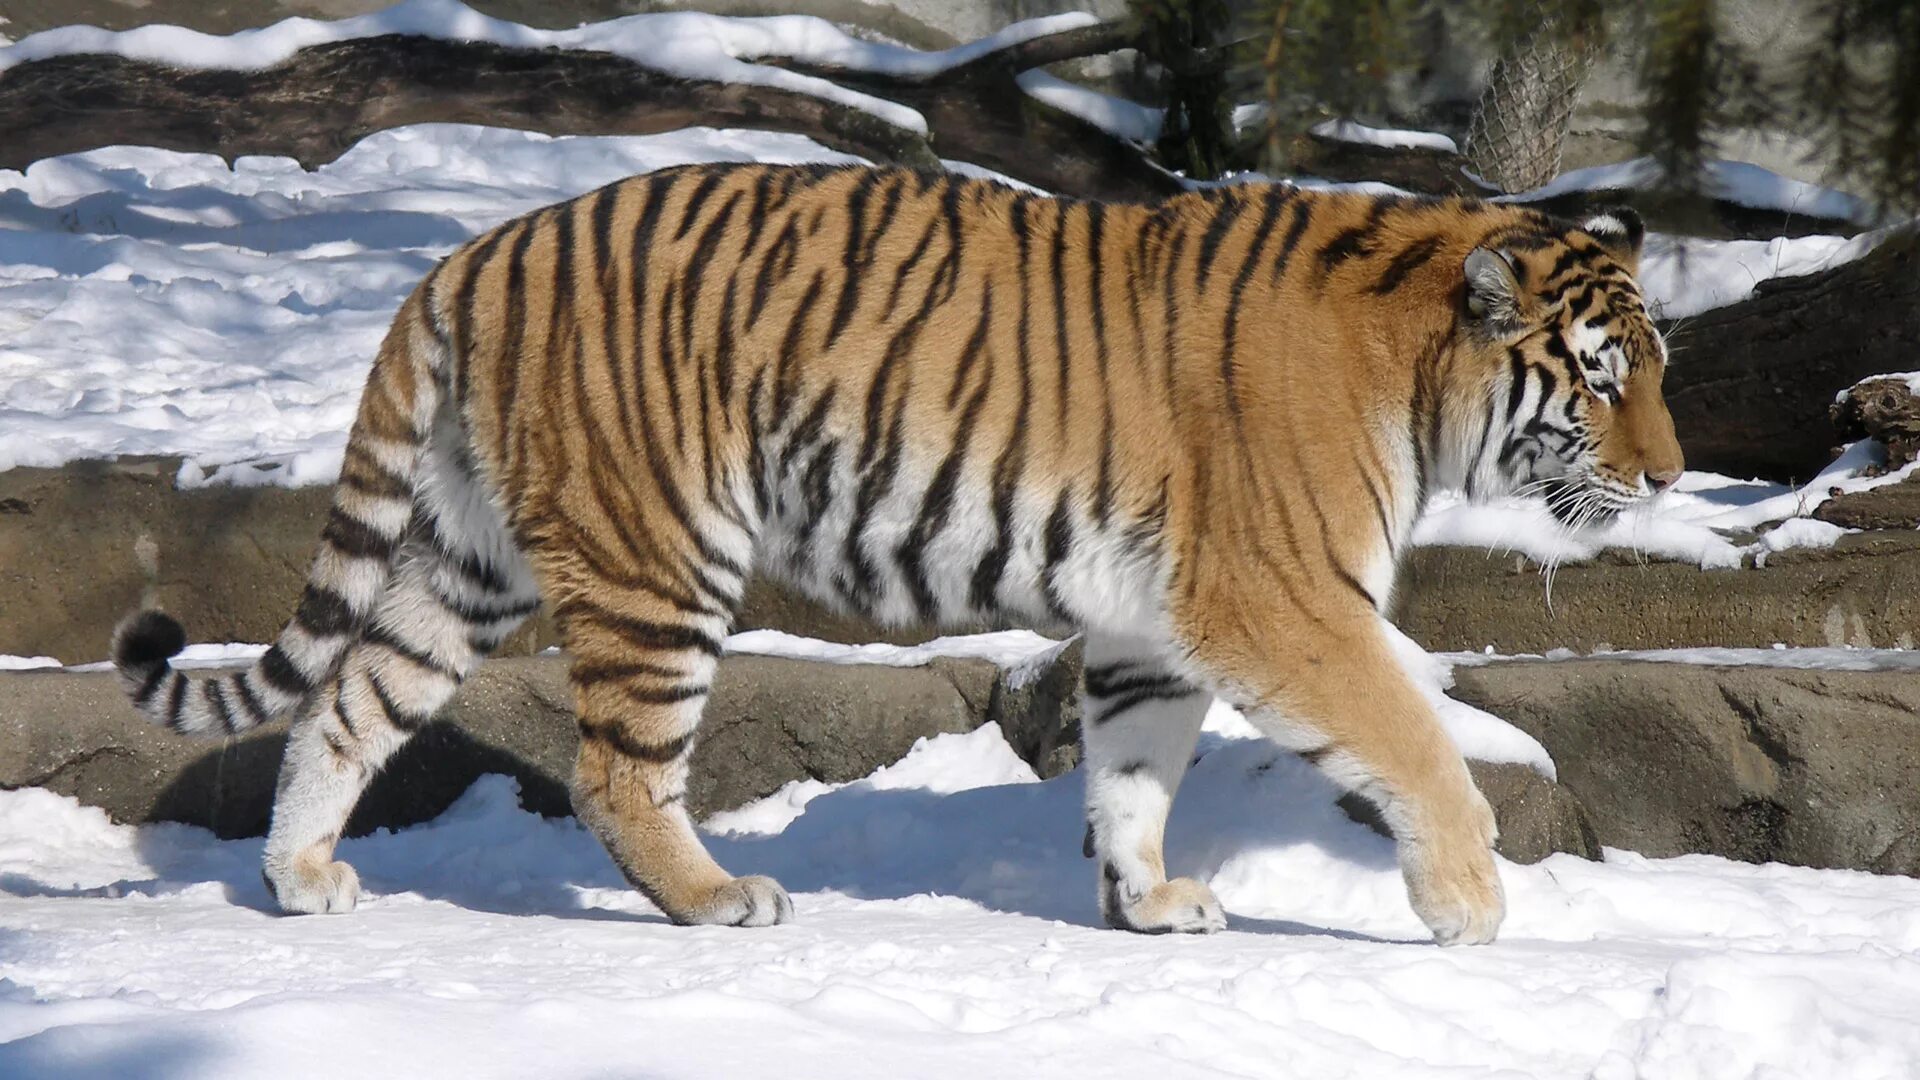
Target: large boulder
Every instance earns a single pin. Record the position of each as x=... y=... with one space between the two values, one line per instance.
x=1812 y=767
x=93 y=540
x=770 y=721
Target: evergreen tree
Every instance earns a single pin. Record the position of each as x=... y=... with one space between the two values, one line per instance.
x=1853 y=92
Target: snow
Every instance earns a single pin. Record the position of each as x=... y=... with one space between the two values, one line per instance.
x=1683 y=276
x=153 y=302
x=1349 y=131
x=688 y=44
x=1833 y=658
x=1115 y=115
x=947 y=929
x=1687 y=522
x=1739 y=182
x=1911 y=378
x=1022 y=652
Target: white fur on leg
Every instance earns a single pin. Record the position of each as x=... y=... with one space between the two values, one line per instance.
x=1139 y=729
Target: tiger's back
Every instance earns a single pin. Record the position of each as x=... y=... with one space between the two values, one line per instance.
x=1199 y=430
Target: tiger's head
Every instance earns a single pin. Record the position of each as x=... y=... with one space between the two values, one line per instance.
x=1576 y=370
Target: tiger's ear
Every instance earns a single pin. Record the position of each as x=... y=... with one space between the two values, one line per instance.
x=1620 y=231
x=1495 y=299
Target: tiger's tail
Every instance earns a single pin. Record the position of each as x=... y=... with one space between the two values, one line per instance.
x=372 y=507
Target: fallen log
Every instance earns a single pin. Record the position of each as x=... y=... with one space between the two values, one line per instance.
x=326 y=98
x=1750 y=383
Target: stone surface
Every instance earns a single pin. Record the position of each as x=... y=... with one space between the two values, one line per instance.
x=1884 y=408
x=1816 y=768
x=1864 y=591
x=1895 y=506
x=770 y=721
x=92 y=539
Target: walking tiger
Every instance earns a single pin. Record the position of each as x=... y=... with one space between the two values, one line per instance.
x=1198 y=430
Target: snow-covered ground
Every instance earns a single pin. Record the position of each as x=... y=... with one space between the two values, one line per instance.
x=947 y=928
x=154 y=302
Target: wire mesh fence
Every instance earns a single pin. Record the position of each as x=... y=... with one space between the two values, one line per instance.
x=1519 y=128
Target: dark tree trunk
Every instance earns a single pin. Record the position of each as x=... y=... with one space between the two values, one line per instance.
x=1750 y=383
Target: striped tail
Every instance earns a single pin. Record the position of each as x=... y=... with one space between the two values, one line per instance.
x=372 y=507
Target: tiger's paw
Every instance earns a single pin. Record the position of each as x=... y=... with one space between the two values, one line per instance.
x=1180 y=906
x=1454 y=883
x=310 y=887
x=742 y=901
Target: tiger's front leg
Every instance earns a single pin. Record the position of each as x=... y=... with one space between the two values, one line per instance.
x=1332 y=690
x=1138 y=730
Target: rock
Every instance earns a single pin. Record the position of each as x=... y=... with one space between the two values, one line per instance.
x=1884 y=408
x=1895 y=506
x=1863 y=591
x=1040 y=717
x=90 y=540
x=1537 y=816
x=1815 y=768
x=770 y=721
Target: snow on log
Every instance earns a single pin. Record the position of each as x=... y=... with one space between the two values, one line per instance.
x=1748 y=381
x=323 y=98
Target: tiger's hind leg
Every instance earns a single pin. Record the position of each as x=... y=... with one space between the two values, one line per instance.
x=643 y=666
x=459 y=589
x=1139 y=728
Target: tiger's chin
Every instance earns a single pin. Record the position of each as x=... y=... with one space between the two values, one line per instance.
x=1579 y=505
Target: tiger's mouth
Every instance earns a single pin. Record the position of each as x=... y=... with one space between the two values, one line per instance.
x=1578 y=502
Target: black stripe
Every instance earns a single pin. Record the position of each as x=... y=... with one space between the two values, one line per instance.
x=1276 y=197
x=935 y=507
x=1409 y=259
x=150 y=685
x=384 y=636
x=708 y=182
x=975 y=347
x=281 y=674
x=807 y=435
x=1057 y=270
x=364 y=473
x=1302 y=216
x=645 y=633
x=346 y=722
x=218 y=699
x=785 y=377
x=324 y=612
x=616 y=736
x=913 y=259
x=398 y=717
x=590 y=674
x=1225 y=212
x=1059 y=543
x=757 y=213
x=786 y=242
x=695 y=274
x=852 y=260
x=1113 y=681
x=507 y=379
x=243 y=685
x=723 y=354
x=356 y=539
x=1115 y=708
x=175 y=699
x=665 y=695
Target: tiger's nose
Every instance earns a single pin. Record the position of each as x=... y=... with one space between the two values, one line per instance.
x=1661 y=481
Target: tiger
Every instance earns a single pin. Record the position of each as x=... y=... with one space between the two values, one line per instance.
x=1197 y=431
